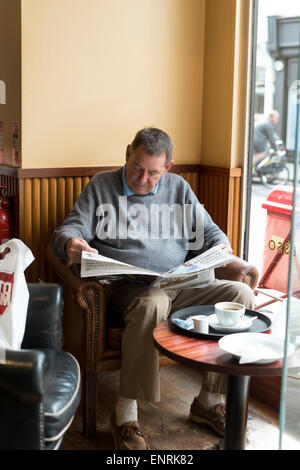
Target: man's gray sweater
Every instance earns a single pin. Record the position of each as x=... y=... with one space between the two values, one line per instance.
x=154 y=231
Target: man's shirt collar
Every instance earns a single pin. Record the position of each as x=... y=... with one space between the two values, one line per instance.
x=126 y=189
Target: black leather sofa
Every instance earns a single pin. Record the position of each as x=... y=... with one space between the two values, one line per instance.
x=40 y=384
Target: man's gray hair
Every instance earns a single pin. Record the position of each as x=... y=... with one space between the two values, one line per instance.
x=154 y=141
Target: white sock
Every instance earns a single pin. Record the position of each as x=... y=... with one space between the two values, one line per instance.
x=126 y=410
x=208 y=399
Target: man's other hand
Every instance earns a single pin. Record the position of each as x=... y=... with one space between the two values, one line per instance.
x=225 y=247
x=74 y=248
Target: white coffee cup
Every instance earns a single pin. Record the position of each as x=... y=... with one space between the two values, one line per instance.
x=200 y=323
x=229 y=313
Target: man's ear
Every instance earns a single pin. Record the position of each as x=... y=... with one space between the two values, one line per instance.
x=128 y=151
x=169 y=166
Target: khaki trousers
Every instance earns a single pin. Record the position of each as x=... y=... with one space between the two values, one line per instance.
x=141 y=308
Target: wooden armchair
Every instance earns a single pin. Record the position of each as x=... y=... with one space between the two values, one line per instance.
x=94 y=343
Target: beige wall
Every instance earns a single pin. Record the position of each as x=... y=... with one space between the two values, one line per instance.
x=96 y=71
x=218 y=82
x=241 y=100
x=10 y=69
x=225 y=83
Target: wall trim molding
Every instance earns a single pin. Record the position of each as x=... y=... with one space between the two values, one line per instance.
x=21 y=173
x=219 y=171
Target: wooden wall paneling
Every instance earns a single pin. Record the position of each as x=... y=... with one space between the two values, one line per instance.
x=219 y=189
x=224 y=198
x=44 y=205
x=192 y=179
x=69 y=194
x=52 y=214
x=36 y=226
x=61 y=200
x=213 y=193
x=85 y=181
x=28 y=212
x=77 y=188
x=52 y=204
x=25 y=218
x=21 y=209
x=194 y=182
x=213 y=183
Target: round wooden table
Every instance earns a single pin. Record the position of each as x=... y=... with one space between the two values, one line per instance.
x=207 y=355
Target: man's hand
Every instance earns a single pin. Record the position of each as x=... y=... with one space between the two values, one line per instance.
x=225 y=247
x=74 y=248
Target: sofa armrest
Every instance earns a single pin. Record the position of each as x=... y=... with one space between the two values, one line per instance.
x=239 y=270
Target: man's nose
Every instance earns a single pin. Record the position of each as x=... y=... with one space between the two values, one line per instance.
x=143 y=176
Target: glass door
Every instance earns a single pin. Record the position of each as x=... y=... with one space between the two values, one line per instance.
x=272 y=228
x=289 y=418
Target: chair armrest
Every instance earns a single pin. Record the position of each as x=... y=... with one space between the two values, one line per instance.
x=238 y=270
x=21 y=391
x=89 y=297
x=44 y=316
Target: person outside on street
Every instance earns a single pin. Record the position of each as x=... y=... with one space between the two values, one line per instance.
x=265 y=135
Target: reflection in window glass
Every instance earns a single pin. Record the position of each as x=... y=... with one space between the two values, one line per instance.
x=277 y=87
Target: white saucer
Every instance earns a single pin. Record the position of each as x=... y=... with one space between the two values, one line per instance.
x=243 y=325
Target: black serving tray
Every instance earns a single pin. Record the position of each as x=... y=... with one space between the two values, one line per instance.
x=260 y=325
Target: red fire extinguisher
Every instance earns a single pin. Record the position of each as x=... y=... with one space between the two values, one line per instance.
x=5 y=220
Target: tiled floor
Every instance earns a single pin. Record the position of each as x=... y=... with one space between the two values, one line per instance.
x=166 y=423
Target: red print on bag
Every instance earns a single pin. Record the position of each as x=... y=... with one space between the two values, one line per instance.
x=6 y=288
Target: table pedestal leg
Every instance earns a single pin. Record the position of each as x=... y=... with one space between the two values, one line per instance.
x=236 y=412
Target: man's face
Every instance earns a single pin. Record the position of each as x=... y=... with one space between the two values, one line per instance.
x=274 y=118
x=143 y=170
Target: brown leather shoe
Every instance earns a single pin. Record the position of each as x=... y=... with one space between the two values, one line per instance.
x=215 y=417
x=128 y=436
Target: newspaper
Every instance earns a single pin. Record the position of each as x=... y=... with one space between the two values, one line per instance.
x=196 y=271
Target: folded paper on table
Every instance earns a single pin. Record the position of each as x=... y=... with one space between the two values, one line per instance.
x=255 y=347
x=187 y=324
x=259 y=353
x=197 y=271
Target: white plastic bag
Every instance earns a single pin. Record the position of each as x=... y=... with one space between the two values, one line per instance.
x=14 y=293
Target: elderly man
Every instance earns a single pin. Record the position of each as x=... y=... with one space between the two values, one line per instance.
x=97 y=223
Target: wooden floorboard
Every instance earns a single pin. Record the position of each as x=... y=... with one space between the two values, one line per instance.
x=166 y=423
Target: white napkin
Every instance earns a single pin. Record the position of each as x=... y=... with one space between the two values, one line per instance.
x=261 y=352
x=187 y=324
